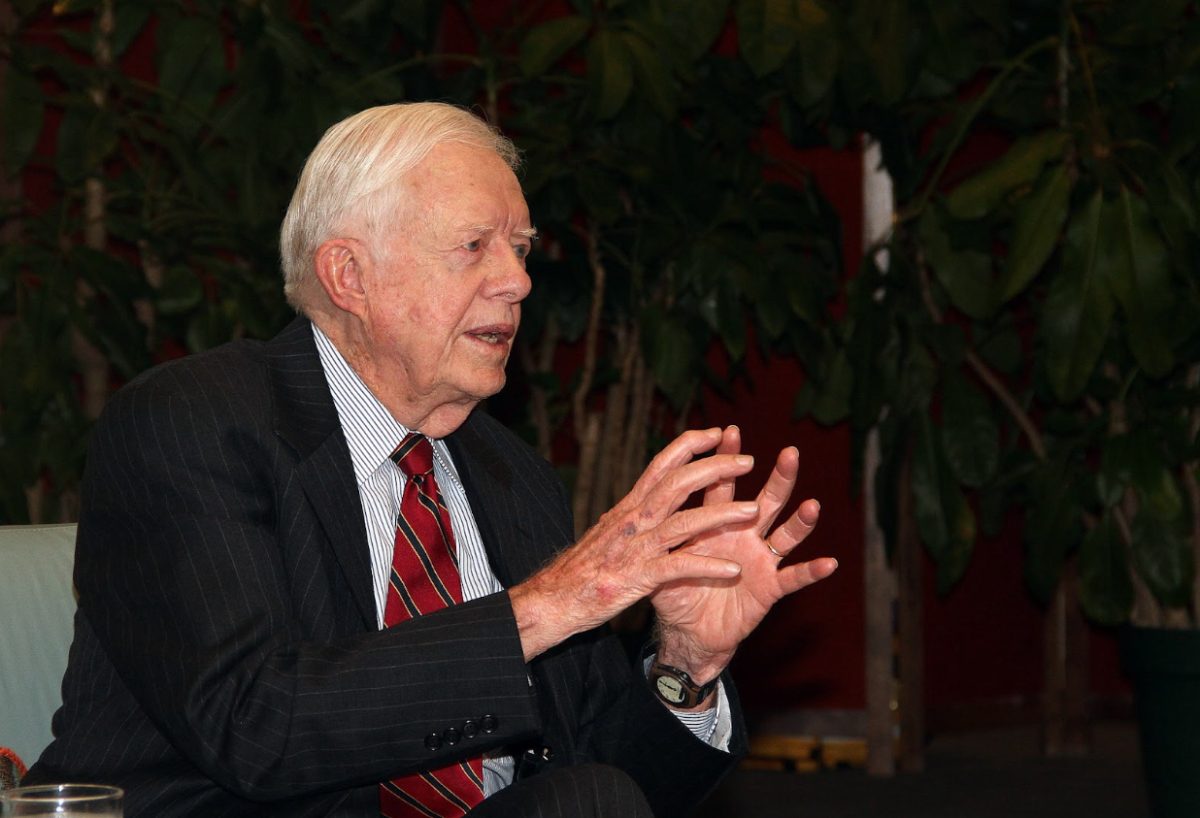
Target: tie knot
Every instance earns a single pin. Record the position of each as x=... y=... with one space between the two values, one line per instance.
x=414 y=455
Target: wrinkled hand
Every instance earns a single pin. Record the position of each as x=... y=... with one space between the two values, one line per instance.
x=633 y=550
x=702 y=621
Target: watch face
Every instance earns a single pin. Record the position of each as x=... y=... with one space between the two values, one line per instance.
x=670 y=689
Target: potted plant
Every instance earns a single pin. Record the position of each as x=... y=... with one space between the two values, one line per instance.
x=1033 y=344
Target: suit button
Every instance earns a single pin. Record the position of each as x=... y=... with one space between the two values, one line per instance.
x=451 y=736
x=433 y=742
x=489 y=724
x=470 y=729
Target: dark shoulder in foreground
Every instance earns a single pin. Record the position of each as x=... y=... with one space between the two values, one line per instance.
x=228 y=381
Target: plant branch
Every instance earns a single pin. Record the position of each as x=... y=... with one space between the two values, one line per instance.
x=587 y=424
x=969 y=117
x=539 y=400
x=1146 y=610
x=981 y=369
x=592 y=334
x=1088 y=78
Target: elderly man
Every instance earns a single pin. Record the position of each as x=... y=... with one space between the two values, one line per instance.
x=315 y=580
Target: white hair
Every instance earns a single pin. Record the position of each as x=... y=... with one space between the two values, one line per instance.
x=351 y=177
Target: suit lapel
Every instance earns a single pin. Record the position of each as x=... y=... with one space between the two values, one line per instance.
x=487 y=476
x=306 y=419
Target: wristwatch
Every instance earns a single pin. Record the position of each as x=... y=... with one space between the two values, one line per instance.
x=675 y=686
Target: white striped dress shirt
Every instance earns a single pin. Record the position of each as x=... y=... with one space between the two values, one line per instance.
x=372 y=434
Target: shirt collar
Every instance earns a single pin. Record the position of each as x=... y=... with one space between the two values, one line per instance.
x=371 y=431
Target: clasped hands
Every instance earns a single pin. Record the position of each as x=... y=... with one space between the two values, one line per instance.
x=712 y=572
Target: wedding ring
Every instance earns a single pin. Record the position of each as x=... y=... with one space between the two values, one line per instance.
x=771 y=548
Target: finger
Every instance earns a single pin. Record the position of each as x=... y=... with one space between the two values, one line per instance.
x=682 y=565
x=722 y=491
x=778 y=488
x=676 y=486
x=796 y=528
x=794 y=577
x=690 y=523
x=676 y=453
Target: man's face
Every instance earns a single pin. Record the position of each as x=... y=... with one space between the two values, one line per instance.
x=444 y=294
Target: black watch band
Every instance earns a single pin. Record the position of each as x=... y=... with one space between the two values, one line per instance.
x=676 y=688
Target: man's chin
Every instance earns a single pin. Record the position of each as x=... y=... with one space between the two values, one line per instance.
x=485 y=385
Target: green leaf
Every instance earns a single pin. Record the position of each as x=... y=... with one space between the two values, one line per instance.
x=721 y=309
x=1078 y=311
x=1134 y=262
x=671 y=353
x=1105 y=589
x=115 y=330
x=818 y=49
x=1135 y=461
x=1173 y=206
x=698 y=22
x=981 y=193
x=1035 y=231
x=1185 y=122
x=23 y=108
x=773 y=316
x=1053 y=527
x=654 y=76
x=918 y=376
x=181 y=291
x=969 y=432
x=86 y=137
x=965 y=275
x=831 y=404
x=766 y=33
x=208 y=327
x=548 y=42
x=882 y=29
x=804 y=282
x=1163 y=558
x=191 y=70
x=108 y=274
x=1000 y=347
x=130 y=21
x=610 y=72
x=417 y=18
x=944 y=519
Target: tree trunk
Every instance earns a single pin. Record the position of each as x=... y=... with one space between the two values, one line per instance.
x=910 y=649
x=1066 y=731
x=880 y=599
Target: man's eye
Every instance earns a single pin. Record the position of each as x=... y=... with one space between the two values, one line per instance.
x=522 y=250
x=473 y=246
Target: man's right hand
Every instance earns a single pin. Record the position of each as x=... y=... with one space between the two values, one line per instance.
x=632 y=550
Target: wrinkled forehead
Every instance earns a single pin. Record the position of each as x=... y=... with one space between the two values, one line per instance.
x=466 y=186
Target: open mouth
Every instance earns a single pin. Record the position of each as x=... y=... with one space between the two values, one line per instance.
x=493 y=335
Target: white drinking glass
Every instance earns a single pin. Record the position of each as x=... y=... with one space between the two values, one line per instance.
x=63 y=800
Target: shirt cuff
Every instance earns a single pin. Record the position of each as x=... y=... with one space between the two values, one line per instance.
x=712 y=726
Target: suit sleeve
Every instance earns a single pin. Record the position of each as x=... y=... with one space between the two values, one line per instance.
x=622 y=722
x=632 y=729
x=187 y=574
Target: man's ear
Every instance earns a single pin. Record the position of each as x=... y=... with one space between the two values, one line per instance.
x=339 y=265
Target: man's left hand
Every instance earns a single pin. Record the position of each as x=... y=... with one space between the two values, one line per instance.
x=702 y=622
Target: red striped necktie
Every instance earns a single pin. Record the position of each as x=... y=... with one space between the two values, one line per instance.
x=425 y=579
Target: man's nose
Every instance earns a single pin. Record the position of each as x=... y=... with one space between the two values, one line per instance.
x=508 y=278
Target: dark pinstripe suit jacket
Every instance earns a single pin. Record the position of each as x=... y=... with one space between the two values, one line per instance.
x=226 y=659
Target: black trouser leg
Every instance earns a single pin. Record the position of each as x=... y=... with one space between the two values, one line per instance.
x=583 y=791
